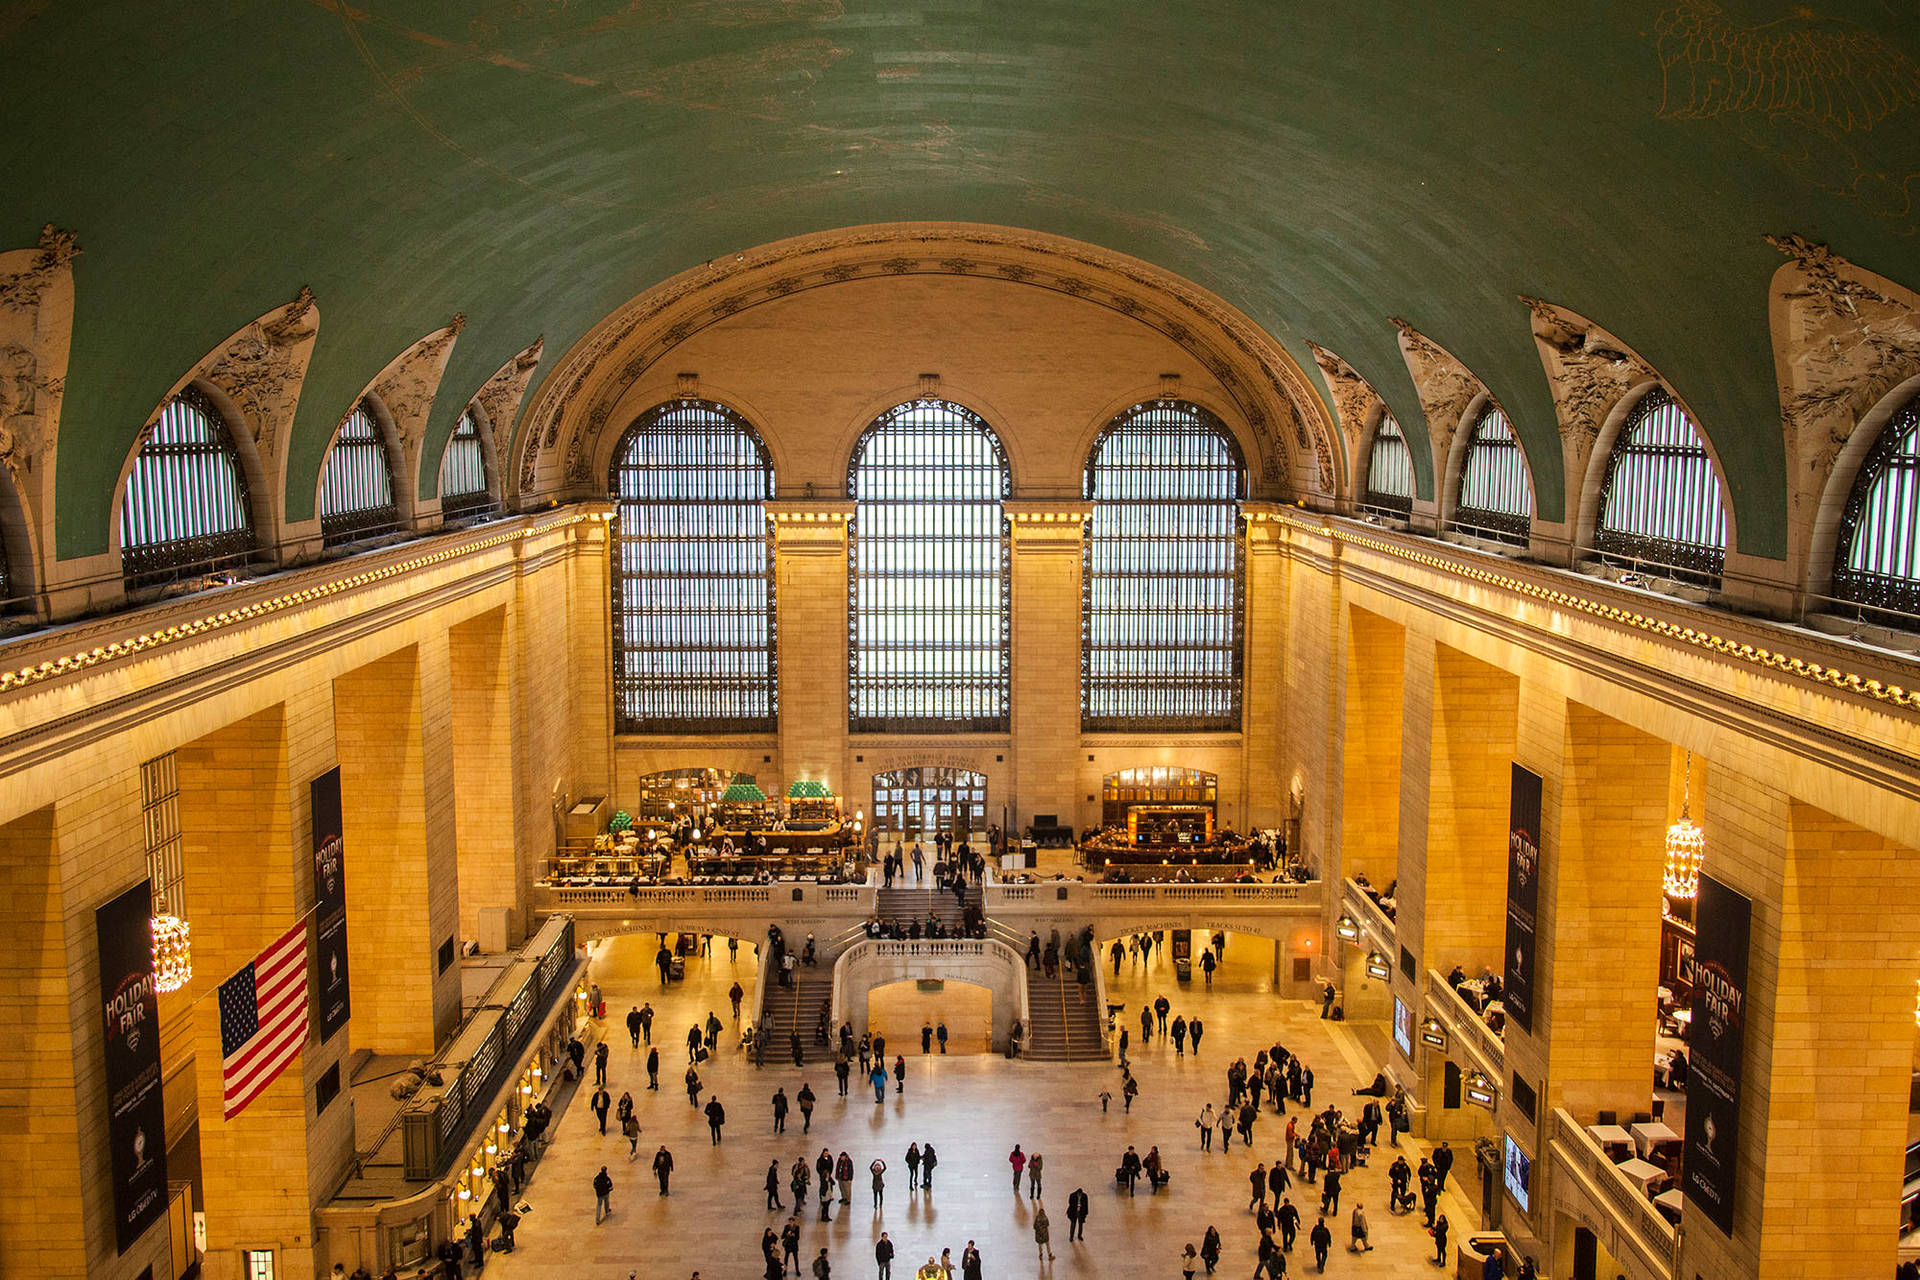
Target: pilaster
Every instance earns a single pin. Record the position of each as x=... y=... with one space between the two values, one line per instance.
x=1264 y=632
x=1049 y=545
x=810 y=609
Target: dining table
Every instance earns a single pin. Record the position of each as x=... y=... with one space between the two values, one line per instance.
x=1644 y=1172
x=1649 y=1134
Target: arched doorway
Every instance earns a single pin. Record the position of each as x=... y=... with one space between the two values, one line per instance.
x=899 y=1010
x=925 y=799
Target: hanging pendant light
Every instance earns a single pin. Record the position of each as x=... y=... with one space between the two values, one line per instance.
x=1686 y=846
x=172 y=949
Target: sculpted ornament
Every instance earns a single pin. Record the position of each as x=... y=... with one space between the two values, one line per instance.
x=1445 y=386
x=1588 y=369
x=1850 y=339
x=1354 y=399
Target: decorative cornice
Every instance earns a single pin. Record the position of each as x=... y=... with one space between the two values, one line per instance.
x=1756 y=656
x=1035 y=511
x=789 y=511
x=161 y=637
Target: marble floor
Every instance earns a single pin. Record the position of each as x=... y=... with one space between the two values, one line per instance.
x=973 y=1108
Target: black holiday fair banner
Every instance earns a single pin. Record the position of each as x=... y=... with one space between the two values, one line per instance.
x=1523 y=894
x=1724 y=921
x=130 y=1007
x=329 y=904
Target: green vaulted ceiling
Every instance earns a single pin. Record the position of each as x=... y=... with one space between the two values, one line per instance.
x=1322 y=166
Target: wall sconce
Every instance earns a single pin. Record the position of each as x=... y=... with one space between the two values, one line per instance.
x=1433 y=1033
x=1377 y=966
x=1480 y=1091
x=1347 y=928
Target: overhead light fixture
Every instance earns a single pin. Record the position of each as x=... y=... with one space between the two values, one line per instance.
x=1686 y=846
x=1346 y=927
x=172 y=949
x=1433 y=1033
x=1377 y=966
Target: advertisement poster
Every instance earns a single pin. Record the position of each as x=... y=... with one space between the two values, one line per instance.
x=1523 y=894
x=329 y=905
x=1403 y=1027
x=130 y=1007
x=1724 y=920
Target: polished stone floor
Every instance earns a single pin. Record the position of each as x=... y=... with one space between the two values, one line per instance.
x=973 y=1108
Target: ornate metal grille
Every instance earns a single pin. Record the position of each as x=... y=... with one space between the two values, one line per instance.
x=1163 y=581
x=463 y=472
x=928 y=581
x=356 y=484
x=1879 y=560
x=1389 y=469
x=185 y=508
x=693 y=638
x=1496 y=492
x=1660 y=503
x=917 y=802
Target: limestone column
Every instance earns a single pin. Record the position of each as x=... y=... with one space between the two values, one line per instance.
x=393 y=724
x=1370 y=792
x=589 y=657
x=486 y=778
x=1049 y=543
x=1414 y=776
x=1599 y=947
x=1475 y=713
x=810 y=609
x=246 y=832
x=43 y=1217
x=1264 y=631
x=1828 y=1042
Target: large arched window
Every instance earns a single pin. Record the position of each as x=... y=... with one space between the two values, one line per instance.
x=1389 y=469
x=185 y=507
x=928 y=576
x=1163 y=574
x=1496 y=498
x=1660 y=502
x=1879 y=559
x=463 y=472
x=693 y=640
x=356 y=484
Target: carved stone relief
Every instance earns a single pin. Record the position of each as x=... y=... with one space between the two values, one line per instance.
x=1588 y=370
x=1445 y=386
x=1283 y=404
x=1848 y=338
x=261 y=369
x=1354 y=401
x=500 y=396
x=407 y=387
x=36 y=320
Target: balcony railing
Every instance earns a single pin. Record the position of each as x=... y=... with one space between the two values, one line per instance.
x=1078 y=894
x=1360 y=905
x=1640 y=1229
x=1465 y=1026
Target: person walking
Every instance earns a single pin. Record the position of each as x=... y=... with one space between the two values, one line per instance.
x=1179 y=1037
x=1018 y=1159
x=878 y=1079
x=1042 y=1231
x=926 y=1036
x=913 y=1166
x=1210 y=1248
x=1161 y=1006
x=716 y=1117
x=653 y=1069
x=799 y=1179
x=1330 y=1192
x=633 y=1025
x=770 y=1250
x=1205 y=1125
x=806 y=1100
x=1034 y=1164
x=694 y=1040
x=646 y=1022
x=693 y=1088
x=879 y=1170
x=663 y=1166
x=928 y=1159
x=780 y=1110
x=843 y=1174
x=970 y=1262
x=600 y=1063
x=773 y=1186
x=601 y=1102
x=1207 y=965
x=1194 y=1028
x=1442 y=1166
x=842 y=1071
x=1189 y=1261
x=1359 y=1228
x=883 y=1256
x=630 y=1130
x=940 y=1034
x=1289 y=1219
x=602 y=1195
x=736 y=993
x=899 y=1073
x=1077 y=1212
x=1322 y=1240
x=1257 y=1179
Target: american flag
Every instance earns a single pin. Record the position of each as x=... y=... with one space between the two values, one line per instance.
x=263 y=1018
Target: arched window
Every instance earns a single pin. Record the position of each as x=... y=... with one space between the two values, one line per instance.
x=463 y=472
x=1389 y=469
x=927 y=585
x=693 y=640
x=356 y=484
x=1660 y=501
x=1879 y=560
x=1496 y=500
x=1163 y=585
x=185 y=508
